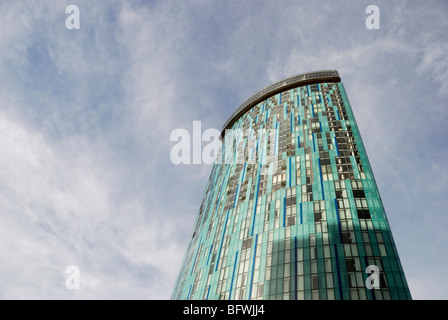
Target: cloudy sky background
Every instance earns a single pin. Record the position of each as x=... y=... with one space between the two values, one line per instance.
x=86 y=115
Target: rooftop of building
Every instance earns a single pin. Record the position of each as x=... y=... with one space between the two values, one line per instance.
x=280 y=86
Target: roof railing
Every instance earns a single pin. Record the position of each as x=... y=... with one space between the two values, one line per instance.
x=294 y=81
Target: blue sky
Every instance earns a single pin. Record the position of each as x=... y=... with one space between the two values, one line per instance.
x=86 y=116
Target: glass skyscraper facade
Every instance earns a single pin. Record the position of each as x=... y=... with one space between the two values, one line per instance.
x=291 y=209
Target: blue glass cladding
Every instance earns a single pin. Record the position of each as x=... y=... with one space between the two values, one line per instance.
x=250 y=223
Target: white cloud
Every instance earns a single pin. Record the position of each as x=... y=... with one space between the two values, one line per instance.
x=48 y=202
x=85 y=118
x=64 y=205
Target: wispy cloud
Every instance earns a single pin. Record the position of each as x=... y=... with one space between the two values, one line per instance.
x=86 y=115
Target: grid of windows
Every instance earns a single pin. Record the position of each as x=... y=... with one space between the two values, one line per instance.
x=298 y=215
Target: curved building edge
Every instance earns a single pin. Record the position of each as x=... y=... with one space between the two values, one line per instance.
x=279 y=86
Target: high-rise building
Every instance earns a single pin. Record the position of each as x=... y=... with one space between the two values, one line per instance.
x=291 y=209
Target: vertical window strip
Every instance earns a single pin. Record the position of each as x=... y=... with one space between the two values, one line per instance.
x=253 y=266
x=338 y=271
x=284 y=211
x=336 y=145
x=236 y=195
x=233 y=275
x=290 y=177
x=194 y=263
x=292 y=124
x=210 y=251
x=189 y=291
x=256 y=197
x=276 y=137
x=208 y=292
x=339 y=220
x=321 y=179
x=222 y=239
x=295 y=268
